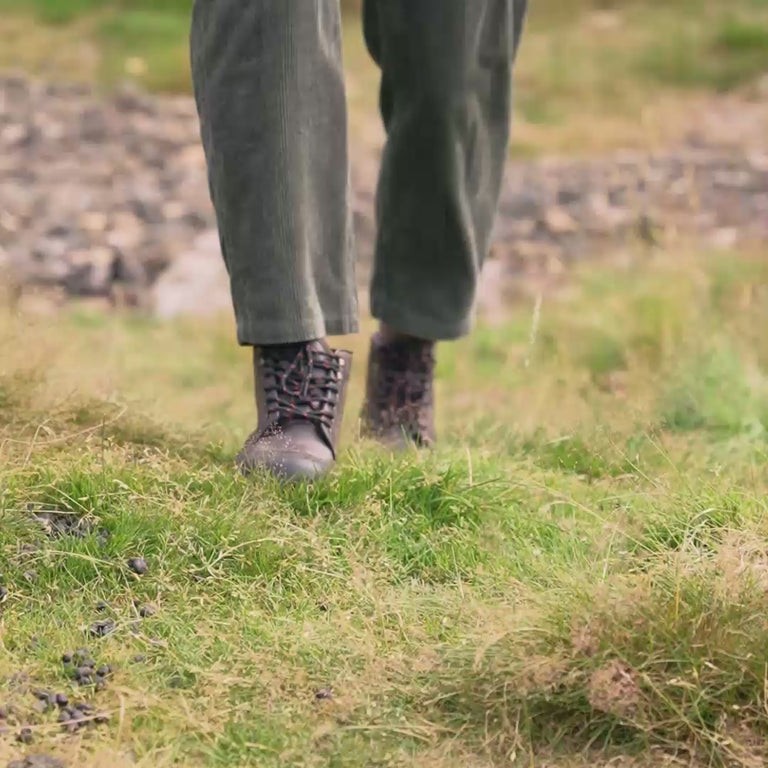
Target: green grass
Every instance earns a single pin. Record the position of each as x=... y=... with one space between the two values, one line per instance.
x=577 y=574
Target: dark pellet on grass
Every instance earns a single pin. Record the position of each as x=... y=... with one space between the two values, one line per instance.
x=41 y=761
x=62 y=700
x=66 y=658
x=101 y=718
x=24 y=736
x=84 y=706
x=139 y=658
x=41 y=694
x=324 y=694
x=84 y=675
x=104 y=670
x=146 y=611
x=19 y=680
x=138 y=565
x=3 y=593
x=102 y=628
x=83 y=671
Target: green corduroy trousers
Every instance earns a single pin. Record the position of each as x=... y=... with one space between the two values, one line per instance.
x=269 y=84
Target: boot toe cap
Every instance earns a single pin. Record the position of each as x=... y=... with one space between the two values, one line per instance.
x=292 y=466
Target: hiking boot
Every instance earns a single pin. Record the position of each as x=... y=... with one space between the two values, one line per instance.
x=300 y=393
x=399 y=407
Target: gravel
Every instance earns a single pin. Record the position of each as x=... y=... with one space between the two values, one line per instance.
x=105 y=200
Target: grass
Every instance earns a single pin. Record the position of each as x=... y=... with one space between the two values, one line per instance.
x=577 y=576
x=591 y=75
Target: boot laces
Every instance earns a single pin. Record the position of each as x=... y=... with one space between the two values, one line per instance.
x=405 y=388
x=305 y=387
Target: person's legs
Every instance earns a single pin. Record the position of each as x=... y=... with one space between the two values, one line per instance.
x=445 y=98
x=269 y=85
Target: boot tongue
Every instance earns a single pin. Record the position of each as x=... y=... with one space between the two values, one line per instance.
x=319 y=345
x=302 y=429
x=289 y=352
x=405 y=354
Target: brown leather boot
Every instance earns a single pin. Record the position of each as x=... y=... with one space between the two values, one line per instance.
x=399 y=408
x=300 y=393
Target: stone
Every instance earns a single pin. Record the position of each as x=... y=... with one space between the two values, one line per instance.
x=196 y=283
x=725 y=238
x=91 y=272
x=559 y=221
x=138 y=565
x=42 y=761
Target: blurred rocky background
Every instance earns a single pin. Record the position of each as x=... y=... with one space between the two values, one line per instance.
x=637 y=125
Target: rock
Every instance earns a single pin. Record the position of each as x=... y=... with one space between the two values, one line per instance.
x=196 y=282
x=90 y=272
x=43 y=761
x=37 y=761
x=84 y=675
x=604 y=216
x=102 y=629
x=126 y=232
x=106 y=199
x=725 y=238
x=559 y=222
x=138 y=565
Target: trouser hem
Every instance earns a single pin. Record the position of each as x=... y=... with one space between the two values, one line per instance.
x=408 y=321
x=294 y=333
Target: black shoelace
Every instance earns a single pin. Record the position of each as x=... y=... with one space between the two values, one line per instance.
x=305 y=387
x=405 y=391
